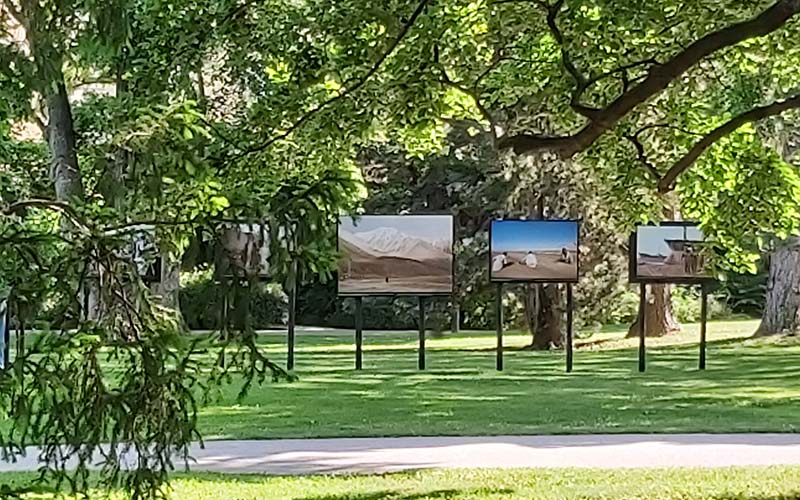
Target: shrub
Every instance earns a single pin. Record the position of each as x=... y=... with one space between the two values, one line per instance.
x=746 y=293
x=686 y=305
x=318 y=305
x=201 y=302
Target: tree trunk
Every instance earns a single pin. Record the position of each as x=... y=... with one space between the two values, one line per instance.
x=782 y=308
x=49 y=61
x=65 y=173
x=543 y=302
x=170 y=285
x=659 y=319
x=543 y=310
x=61 y=138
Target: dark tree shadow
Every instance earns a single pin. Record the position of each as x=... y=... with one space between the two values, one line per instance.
x=733 y=496
x=449 y=494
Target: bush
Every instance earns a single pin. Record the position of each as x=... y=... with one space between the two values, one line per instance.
x=686 y=305
x=746 y=293
x=201 y=303
x=318 y=305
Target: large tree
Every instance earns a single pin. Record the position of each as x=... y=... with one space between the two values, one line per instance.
x=654 y=95
x=648 y=95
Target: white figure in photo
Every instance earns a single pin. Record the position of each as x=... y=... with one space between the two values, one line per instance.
x=499 y=262
x=530 y=260
x=565 y=256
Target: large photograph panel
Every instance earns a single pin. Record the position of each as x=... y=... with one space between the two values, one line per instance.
x=243 y=251
x=670 y=252
x=145 y=255
x=396 y=254
x=534 y=250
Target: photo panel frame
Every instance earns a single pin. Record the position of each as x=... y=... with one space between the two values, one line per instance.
x=534 y=251
x=672 y=252
x=396 y=255
x=242 y=250
x=145 y=255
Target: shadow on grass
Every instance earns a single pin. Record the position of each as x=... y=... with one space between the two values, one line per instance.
x=749 y=386
x=449 y=494
x=734 y=496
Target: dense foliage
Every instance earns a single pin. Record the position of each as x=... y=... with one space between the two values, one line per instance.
x=117 y=116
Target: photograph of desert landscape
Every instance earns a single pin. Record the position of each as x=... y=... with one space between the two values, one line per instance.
x=669 y=252
x=242 y=251
x=403 y=254
x=534 y=250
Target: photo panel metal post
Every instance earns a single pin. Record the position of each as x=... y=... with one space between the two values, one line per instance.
x=5 y=336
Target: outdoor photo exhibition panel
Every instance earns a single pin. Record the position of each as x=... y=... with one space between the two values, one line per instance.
x=146 y=256
x=242 y=251
x=534 y=251
x=673 y=252
x=141 y=251
x=242 y=254
x=395 y=255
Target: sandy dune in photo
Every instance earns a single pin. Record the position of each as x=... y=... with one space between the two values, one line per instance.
x=656 y=267
x=549 y=267
x=386 y=260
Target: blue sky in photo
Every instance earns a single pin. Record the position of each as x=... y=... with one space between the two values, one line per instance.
x=429 y=227
x=651 y=240
x=534 y=235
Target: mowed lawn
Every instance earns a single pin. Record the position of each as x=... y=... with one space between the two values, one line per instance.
x=751 y=385
x=754 y=483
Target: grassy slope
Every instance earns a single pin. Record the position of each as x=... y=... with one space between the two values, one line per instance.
x=668 y=484
x=750 y=386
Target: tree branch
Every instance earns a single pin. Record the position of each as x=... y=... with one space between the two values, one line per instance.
x=651 y=61
x=640 y=152
x=667 y=126
x=477 y=100
x=552 y=23
x=347 y=91
x=667 y=182
x=471 y=92
x=581 y=82
x=52 y=205
x=657 y=79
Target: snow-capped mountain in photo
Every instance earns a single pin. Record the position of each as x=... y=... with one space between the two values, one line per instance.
x=389 y=242
x=443 y=245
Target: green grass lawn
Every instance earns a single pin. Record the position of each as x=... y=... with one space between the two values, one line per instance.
x=751 y=385
x=756 y=483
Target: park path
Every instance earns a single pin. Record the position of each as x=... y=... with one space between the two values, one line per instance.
x=378 y=455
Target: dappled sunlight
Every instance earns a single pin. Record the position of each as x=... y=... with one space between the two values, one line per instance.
x=740 y=483
x=750 y=385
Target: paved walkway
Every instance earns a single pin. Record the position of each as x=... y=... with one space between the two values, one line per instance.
x=376 y=455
